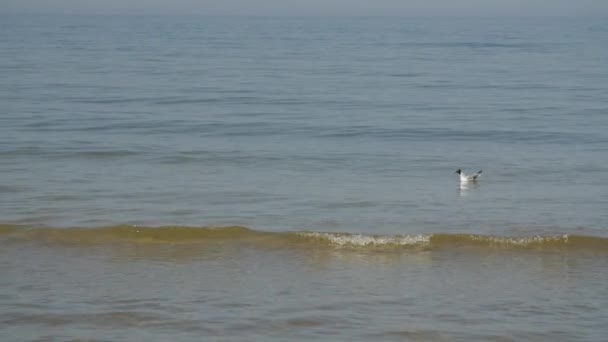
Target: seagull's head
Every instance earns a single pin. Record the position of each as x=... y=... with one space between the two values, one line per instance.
x=459 y=171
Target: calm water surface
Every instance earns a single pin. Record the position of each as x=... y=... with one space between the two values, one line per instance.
x=324 y=148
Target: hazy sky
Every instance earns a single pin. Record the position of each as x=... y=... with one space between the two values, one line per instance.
x=314 y=7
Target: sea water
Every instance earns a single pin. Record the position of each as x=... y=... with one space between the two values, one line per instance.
x=292 y=178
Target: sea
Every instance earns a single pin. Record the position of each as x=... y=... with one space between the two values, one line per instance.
x=195 y=178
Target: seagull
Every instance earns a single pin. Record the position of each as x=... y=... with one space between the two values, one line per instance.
x=468 y=178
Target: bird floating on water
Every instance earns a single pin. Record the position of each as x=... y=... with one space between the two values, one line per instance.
x=468 y=178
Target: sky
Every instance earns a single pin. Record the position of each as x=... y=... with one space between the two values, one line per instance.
x=314 y=7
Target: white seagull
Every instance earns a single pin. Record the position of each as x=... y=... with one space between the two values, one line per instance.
x=468 y=178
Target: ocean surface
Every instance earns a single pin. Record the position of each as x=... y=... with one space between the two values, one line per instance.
x=292 y=178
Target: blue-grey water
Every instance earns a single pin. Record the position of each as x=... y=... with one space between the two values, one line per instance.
x=333 y=142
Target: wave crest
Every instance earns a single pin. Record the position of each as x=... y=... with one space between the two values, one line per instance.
x=263 y=239
x=360 y=240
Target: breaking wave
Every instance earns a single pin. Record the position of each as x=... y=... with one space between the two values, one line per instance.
x=11 y=234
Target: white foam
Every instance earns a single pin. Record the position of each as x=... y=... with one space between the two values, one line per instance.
x=361 y=240
x=523 y=241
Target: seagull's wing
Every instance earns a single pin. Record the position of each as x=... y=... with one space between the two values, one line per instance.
x=476 y=175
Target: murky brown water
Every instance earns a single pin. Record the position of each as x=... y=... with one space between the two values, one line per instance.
x=235 y=284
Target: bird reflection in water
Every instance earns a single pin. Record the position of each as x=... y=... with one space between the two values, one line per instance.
x=466 y=188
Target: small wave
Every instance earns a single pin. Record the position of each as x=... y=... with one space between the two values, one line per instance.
x=237 y=234
x=125 y=233
x=498 y=241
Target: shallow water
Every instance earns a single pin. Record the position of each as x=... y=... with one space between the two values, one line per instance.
x=180 y=283
x=334 y=142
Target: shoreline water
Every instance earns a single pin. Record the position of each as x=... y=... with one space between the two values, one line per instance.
x=292 y=179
